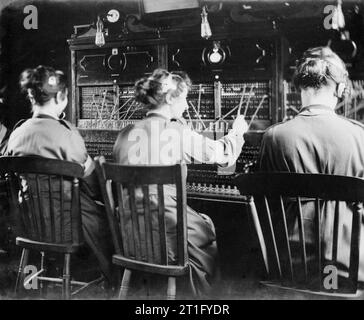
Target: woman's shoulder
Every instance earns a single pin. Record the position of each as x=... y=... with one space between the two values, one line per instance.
x=43 y=121
x=52 y=128
x=67 y=125
x=19 y=129
x=19 y=124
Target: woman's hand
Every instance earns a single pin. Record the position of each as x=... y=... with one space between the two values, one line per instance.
x=240 y=125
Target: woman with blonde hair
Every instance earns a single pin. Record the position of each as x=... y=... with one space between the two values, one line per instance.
x=163 y=138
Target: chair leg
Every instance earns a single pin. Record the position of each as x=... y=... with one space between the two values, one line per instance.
x=22 y=264
x=171 y=290
x=147 y=286
x=66 y=292
x=42 y=284
x=124 y=288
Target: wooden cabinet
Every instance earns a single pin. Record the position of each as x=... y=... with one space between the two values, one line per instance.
x=222 y=69
x=120 y=64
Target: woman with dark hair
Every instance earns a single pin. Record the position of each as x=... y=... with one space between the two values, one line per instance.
x=46 y=134
x=163 y=138
x=317 y=140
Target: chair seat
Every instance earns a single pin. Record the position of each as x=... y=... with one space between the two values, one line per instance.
x=170 y=270
x=45 y=246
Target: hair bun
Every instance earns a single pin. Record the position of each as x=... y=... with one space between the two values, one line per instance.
x=141 y=90
x=153 y=90
x=27 y=79
x=42 y=83
x=317 y=66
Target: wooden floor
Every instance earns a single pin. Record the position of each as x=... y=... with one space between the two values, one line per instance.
x=244 y=287
x=241 y=266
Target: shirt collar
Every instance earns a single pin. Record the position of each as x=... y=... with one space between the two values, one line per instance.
x=155 y=113
x=316 y=109
x=43 y=116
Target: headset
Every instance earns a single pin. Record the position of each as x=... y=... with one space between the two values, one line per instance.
x=342 y=88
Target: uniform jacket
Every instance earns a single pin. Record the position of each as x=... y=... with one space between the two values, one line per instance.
x=52 y=138
x=161 y=141
x=319 y=141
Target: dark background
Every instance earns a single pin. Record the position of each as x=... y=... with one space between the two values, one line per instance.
x=301 y=23
x=21 y=48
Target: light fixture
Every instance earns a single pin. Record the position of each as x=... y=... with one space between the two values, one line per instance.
x=338 y=19
x=247 y=7
x=99 y=39
x=205 y=26
x=217 y=55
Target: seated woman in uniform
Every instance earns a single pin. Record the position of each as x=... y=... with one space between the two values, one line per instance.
x=317 y=140
x=163 y=138
x=46 y=135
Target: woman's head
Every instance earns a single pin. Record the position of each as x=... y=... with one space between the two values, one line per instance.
x=321 y=69
x=163 y=88
x=45 y=86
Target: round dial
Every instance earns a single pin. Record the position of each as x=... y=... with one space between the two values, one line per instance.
x=113 y=15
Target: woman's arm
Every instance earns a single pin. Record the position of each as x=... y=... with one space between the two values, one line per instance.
x=76 y=152
x=223 y=152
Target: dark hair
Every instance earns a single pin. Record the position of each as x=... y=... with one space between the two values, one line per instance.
x=317 y=66
x=152 y=90
x=42 y=83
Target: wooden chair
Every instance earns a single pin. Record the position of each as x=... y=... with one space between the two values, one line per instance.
x=287 y=262
x=152 y=257
x=49 y=211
